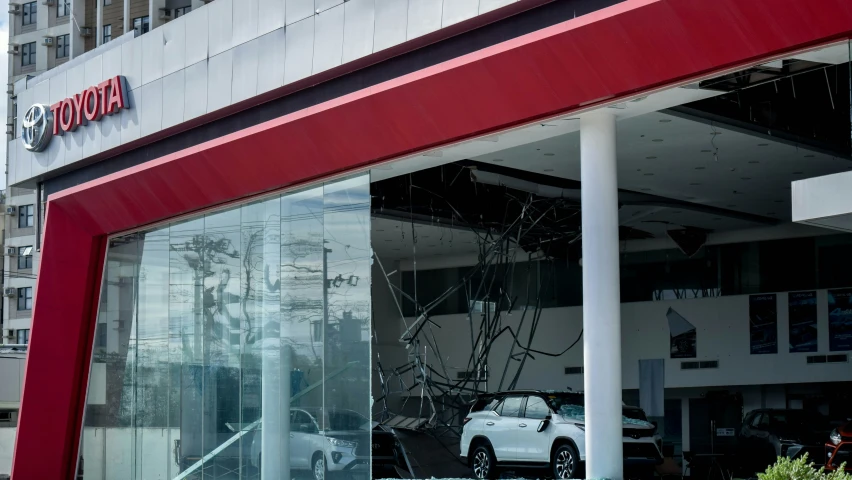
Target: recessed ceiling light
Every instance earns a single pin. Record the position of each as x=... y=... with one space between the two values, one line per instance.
x=498 y=159
x=810 y=156
x=762 y=144
x=548 y=169
x=395 y=249
x=665 y=120
x=745 y=178
x=549 y=154
x=754 y=161
x=432 y=246
x=649 y=174
x=700 y=168
x=695 y=184
x=798 y=173
x=657 y=140
x=706 y=151
x=650 y=158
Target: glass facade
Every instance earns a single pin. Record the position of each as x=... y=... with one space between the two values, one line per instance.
x=236 y=343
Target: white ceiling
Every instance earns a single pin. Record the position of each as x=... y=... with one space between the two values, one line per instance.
x=658 y=153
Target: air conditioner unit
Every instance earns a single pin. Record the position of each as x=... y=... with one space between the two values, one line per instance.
x=11 y=210
x=10 y=292
x=14 y=8
x=14 y=49
x=11 y=251
x=47 y=41
x=165 y=14
x=86 y=32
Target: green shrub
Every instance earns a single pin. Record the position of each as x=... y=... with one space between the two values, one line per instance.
x=801 y=469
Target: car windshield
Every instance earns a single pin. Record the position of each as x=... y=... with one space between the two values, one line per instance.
x=573 y=405
x=798 y=419
x=342 y=420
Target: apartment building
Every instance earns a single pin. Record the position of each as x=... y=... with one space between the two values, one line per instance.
x=43 y=36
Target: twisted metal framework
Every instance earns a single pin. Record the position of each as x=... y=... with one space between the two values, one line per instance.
x=539 y=230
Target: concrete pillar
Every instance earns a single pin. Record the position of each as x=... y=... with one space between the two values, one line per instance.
x=127 y=26
x=275 y=410
x=601 y=297
x=154 y=7
x=99 y=22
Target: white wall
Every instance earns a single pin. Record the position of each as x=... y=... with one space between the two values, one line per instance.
x=722 y=326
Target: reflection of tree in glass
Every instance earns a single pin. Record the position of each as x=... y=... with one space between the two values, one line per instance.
x=201 y=253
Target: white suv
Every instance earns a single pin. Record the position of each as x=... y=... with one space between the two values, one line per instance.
x=534 y=429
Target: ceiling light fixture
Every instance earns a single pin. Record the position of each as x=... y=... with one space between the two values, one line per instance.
x=695 y=184
x=650 y=158
x=549 y=154
x=754 y=161
x=548 y=169
x=649 y=174
x=762 y=144
x=657 y=140
x=498 y=159
x=706 y=151
x=665 y=120
x=745 y=178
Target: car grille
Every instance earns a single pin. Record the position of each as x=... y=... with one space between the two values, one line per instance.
x=638 y=432
x=640 y=450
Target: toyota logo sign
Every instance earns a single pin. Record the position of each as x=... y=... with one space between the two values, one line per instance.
x=37 y=128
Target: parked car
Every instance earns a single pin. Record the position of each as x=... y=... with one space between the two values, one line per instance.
x=767 y=434
x=339 y=443
x=535 y=429
x=838 y=449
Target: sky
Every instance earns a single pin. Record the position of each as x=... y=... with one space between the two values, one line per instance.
x=4 y=73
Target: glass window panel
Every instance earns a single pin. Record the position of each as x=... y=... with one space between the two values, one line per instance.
x=209 y=341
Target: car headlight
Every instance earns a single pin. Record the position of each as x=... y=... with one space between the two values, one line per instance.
x=835 y=437
x=336 y=442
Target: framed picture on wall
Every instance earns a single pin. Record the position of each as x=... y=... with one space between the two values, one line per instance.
x=763 y=324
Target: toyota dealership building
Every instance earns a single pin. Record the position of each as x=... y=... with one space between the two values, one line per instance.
x=258 y=210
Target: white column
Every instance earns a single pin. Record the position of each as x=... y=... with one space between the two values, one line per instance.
x=127 y=25
x=99 y=33
x=601 y=297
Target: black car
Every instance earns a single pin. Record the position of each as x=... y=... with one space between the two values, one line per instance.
x=771 y=433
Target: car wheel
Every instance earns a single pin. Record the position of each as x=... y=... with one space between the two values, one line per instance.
x=483 y=463
x=318 y=468
x=565 y=462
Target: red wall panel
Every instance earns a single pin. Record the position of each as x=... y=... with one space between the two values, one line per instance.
x=632 y=47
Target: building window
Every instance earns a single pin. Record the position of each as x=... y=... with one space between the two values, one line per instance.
x=182 y=11
x=23 y=337
x=107 y=33
x=63 y=45
x=63 y=8
x=25 y=214
x=28 y=54
x=25 y=258
x=29 y=14
x=25 y=298
x=101 y=335
x=141 y=25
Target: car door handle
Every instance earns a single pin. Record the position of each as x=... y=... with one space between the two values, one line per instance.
x=523 y=425
x=489 y=423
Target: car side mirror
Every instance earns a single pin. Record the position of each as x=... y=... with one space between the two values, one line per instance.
x=542 y=426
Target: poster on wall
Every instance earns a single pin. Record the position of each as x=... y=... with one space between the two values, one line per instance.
x=840 y=319
x=763 y=324
x=802 y=309
x=682 y=338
